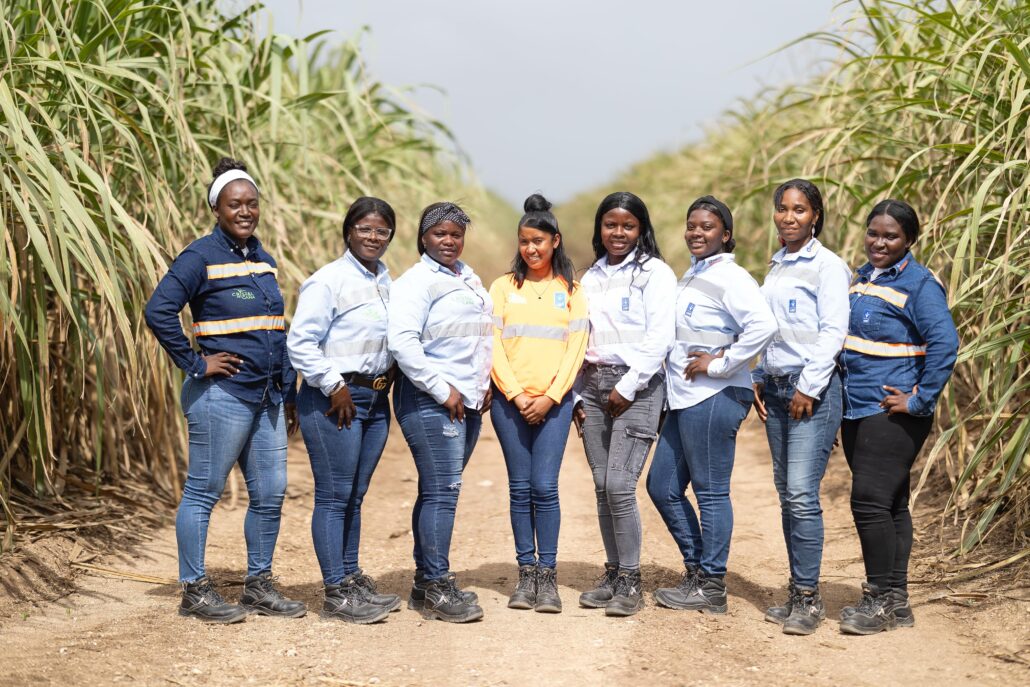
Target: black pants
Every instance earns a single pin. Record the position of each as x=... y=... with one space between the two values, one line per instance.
x=881 y=450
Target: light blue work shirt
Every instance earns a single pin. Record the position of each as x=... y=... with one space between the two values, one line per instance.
x=441 y=330
x=808 y=294
x=339 y=326
x=719 y=307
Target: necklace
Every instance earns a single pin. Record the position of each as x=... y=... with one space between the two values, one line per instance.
x=539 y=294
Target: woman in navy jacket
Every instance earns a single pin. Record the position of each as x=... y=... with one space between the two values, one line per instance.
x=898 y=355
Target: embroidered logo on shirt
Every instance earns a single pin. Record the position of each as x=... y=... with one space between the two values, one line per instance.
x=243 y=294
x=690 y=310
x=559 y=299
x=515 y=298
x=866 y=317
x=792 y=305
x=625 y=302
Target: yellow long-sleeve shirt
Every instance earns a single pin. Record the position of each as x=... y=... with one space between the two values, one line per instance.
x=539 y=337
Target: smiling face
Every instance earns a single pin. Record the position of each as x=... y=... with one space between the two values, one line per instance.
x=620 y=231
x=536 y=247
x=795 y=219
x=238 y=210
x=444 y=242
x=369 y=238
x=705 y=234
x=885 y=242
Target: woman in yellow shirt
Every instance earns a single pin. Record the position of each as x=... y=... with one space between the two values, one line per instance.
x=540 y=335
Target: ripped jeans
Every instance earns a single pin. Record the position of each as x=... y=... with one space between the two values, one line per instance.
x=441 y=450
x=617 y=449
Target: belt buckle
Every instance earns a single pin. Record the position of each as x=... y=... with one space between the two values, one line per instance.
x=379 y=383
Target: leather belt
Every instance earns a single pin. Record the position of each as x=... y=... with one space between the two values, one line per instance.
x=380 y=383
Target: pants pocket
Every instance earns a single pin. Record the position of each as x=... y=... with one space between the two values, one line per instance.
x=635 y=446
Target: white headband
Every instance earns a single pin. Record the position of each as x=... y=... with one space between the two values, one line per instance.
x=224 y=180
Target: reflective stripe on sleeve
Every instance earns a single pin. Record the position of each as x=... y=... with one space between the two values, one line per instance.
x=238 y=269
x=687 y=335
x=340 y=349
x=240 y=324
x=535 y=331
x=882 y=348
x=612 y=337
x=446 y=331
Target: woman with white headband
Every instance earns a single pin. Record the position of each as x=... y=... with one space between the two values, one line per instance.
x=440 y=331
x=238 y=394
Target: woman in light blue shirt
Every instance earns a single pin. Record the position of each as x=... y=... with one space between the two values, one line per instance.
x=722 y=324
x=797 y=388
x=441 y=333
x=338 y=342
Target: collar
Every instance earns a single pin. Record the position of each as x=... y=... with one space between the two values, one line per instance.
x=699 y=266
x=602 y=263
x=434 y=266
x=866 y=270
x=253 y=244
x=381 y=269
x=807 y=252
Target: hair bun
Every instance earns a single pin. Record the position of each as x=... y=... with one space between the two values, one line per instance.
x=536 y=203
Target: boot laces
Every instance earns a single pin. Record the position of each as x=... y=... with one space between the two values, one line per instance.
x=208 y=595
x=366 y=583
x=527 y=576
x=871 y=603
x=805 y=602
x=267 y=585
x=450 y=588
x=607 y=579
x=625 y=585
x=691 y=580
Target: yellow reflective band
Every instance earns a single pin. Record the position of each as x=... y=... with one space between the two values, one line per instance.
x=890 y=295
x=238 y=269
x=240 y=324
x=883 y=349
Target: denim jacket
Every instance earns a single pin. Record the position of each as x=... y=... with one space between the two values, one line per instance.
x=901 y=334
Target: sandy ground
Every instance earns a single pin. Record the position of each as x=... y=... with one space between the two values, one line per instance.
x=116 y=630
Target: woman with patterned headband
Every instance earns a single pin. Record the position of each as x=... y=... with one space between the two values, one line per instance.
x=238 y=394
x=440 y=332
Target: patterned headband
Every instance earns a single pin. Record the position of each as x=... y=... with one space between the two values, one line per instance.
x=446 y=212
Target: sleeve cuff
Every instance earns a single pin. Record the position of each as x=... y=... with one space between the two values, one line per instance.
x=625 y=390
x=440 y=392
x=199 y=367
x=917 y=408
x=717 y=368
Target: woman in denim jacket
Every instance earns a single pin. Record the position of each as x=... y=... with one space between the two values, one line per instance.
x=898 y=355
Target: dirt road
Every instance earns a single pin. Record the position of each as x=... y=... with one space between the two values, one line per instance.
x=115 y=630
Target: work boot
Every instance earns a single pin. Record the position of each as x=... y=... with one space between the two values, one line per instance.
x=673 y=597
x=627 y=597
x=348 y=601
x=200 y=600
x=547 y=599
x=444 y=601
x=779 y=614
x=872 y=614
x=261 y=596
x=897 y=603
x=524 y=596
x=602 y=593
x=391 y=601
x=417 y=598
x=806 y=612
x=708 y=595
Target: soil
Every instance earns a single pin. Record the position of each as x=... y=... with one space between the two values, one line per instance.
x=114 y=629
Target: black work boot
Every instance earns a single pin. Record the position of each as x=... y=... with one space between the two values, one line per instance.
x=779 y=614
x=200 y=600
x=601 y=594
x=524 y=596
x=547 y=599
x=897 y=603
x=391 y=601
x=673 y=597
x=349 y=602
x=708 y=595
x=872 y=614
x=444 y=601
x=261 y=596
x=627 y=597
x=417 y=598
x=806 y=612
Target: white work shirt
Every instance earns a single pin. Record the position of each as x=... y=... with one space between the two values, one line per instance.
x=808 y=294
x=441 y=331
x=631 y=318
x=339 y=326
x=719 y=307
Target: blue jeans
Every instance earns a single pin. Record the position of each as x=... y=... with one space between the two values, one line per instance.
x=225 y=430
x=533 y=455
x=441 y=450
x=800 y=450
x=697 y=447
x=342 y=462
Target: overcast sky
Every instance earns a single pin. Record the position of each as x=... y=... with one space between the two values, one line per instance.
x=559 y=96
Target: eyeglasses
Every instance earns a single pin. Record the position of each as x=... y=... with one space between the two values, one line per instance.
x=378 y=232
